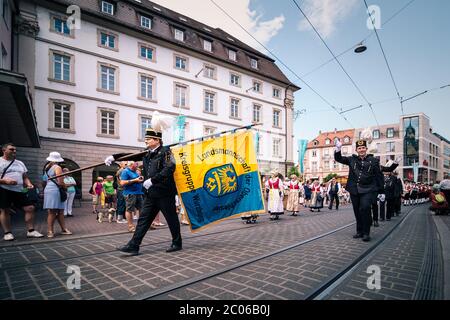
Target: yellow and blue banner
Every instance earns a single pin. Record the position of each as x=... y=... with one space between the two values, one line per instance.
x=218 y=178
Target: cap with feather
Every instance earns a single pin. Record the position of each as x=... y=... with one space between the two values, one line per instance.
x=159 y=124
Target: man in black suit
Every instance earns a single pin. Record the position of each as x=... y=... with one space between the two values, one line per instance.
x=158 y=169
x=364 y=183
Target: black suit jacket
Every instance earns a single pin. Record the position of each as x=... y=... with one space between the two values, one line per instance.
x=364 y=174
x=158 y=166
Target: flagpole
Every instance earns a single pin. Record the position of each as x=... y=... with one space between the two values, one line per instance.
x=145 y=151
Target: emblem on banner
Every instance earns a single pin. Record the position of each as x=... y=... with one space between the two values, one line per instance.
x=221 y=180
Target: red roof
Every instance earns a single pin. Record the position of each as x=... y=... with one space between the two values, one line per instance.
x=319 y=141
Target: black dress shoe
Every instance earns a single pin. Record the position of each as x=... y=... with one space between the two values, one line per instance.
x=358 y=235
x=381 y=219
x=133 y=251
x=366 y=238
x=174 y=248
x=375 y=224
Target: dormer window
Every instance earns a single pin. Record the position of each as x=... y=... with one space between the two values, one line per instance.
x=232 y=54
x=146 y=22
x=328 y=141
x=315 y=143
x=346 y=139
x=207 y=45
x=179 y=34
x=376 y=134
x=107 y=7
x=254 y=63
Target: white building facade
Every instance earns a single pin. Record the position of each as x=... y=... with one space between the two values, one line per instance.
x=96 y=86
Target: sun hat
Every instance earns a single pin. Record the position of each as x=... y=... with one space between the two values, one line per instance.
x=54 y=157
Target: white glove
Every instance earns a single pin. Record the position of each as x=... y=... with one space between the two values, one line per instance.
x=109 y=160
x=338 y=146
x=382 y=197
x=147 y=183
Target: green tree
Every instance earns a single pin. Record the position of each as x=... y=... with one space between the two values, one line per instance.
x=329 y=177
x=293 y=170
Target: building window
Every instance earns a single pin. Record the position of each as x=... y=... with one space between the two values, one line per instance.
x=314 y=166
x=235 y=80
x=276 y=93
x=376 y=134
x=257 y=86
x=276 y=118
x=390 y=133
x=108 y=80
x=146 y=52
x=209 y=102
x=276 y=146
x=108 y=40
x=256 y=113
x=145 y=123
x=59 y=25
x=146 y=90
x=207 y=45
x=254 y=63
x=346 y=139
x=61 y=67
x=108 y=122
x=232 y=54
x=62 y=116
x=326 y=152
x=209 y=72
x=179 y=34
x=107 y=7
x=181 y=95
x=314 y=153
x=258 y=145
x=344 y=150
x=327 y=141
x=146 y=22
x=326 y=165
x=207 y=131
x=181 y=63
x=390 y=146
x=234 y=108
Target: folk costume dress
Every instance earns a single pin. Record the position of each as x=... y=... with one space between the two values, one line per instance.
x=293 y=203
x=275 y=203
x=317 y=198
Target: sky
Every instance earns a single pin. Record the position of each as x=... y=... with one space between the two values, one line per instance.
x=415 y=41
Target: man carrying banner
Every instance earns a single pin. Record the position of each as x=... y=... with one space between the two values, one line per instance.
x=365 y=182
x=158 y=170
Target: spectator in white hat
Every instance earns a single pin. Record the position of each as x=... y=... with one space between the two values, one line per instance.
x=52 y=195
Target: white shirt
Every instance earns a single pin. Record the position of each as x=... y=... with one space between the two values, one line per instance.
x=14 y=172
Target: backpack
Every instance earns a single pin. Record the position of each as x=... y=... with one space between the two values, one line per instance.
x=440 y=198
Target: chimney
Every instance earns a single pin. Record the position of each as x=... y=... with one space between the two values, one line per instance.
x=335 y=130
x=320 y=131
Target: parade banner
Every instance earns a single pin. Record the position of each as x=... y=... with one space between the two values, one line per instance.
x=218 y=179
x=302 y=144
x=178 y=129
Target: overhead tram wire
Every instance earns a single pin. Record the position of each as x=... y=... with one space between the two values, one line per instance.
x=365 y=39
x=335 y=58
x=281 y=61
x=384 y=55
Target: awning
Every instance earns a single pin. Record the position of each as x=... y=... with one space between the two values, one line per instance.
x=18 y=121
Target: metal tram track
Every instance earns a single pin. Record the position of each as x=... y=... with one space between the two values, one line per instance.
x=326 y=285
x=115 y=250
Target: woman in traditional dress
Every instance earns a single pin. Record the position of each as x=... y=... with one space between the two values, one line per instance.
x=275 y=203
x=293 y=202
x=317 y=196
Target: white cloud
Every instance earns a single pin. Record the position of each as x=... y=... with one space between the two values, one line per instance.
x=325 y=14
x=206 y=12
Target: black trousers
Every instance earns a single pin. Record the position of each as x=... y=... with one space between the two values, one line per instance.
x=382 y=206
x=362 y=204
x=149 y=211
x=390 y=207
x=333 y=196
x=398 y=205
x=375 y=210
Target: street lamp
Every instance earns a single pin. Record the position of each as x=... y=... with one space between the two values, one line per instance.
x=360 y=48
